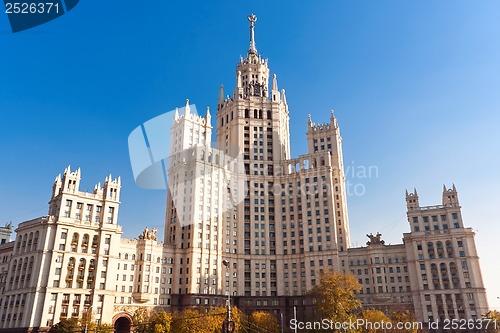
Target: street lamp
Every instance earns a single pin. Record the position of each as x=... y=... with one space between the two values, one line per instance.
x=229 y=324
x=87 y=318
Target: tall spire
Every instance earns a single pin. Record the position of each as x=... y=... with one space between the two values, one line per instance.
x=252 y=19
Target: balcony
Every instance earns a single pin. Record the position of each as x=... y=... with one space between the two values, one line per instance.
x=91 y=267
x=65 y=301
x=64 y=314
x=69 y=278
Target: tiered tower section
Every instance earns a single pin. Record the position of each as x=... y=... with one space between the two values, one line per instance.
x=326 y=138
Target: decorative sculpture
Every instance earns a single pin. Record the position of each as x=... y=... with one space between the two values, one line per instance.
x=149 y=234
x=375 y=239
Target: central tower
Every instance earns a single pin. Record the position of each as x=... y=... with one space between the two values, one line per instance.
x=252 y=116
x=291 y=222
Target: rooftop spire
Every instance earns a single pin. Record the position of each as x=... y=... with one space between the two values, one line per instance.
x=252 y=19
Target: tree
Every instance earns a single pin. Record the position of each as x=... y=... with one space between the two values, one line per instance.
x=492 y=321
x=103 y=328
x=65 y=326
x=263 y=322
x=161 y=322
x=141 y=319
x=374 y=321
x=335 y=297
x=192 y=320
x=407 y=318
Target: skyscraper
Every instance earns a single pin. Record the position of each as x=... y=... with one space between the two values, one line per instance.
x=277 y=221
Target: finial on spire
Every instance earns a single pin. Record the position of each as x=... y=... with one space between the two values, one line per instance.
x=283 y=95
x=208 y=116
x=275 y=82
x=252 y=19
x=187 y=109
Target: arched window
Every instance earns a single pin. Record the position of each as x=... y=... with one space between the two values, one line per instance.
x=35 y=240
x=30 y=241
x=126 y=255
x=74 y=240
x=85 y=240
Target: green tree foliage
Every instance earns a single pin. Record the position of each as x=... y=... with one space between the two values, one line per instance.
x=335 y=297
x=65 y=326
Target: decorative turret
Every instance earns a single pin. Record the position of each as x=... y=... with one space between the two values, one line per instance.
x=112 y=188
x=57 y=187
x=187 y=109
x=275 y=94
x=412 y=200
x=333 y=120
x=70 y=180
x=208 y=117
x=220 y=102
x=450 y=196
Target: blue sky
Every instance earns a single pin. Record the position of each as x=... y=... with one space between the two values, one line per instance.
x=414 y=86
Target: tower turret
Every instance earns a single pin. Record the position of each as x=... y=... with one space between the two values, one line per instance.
x=56 y=188
x=220 y=102
x=112 y=188
x=412 y=200
x=71 y=180
x=450 y=196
